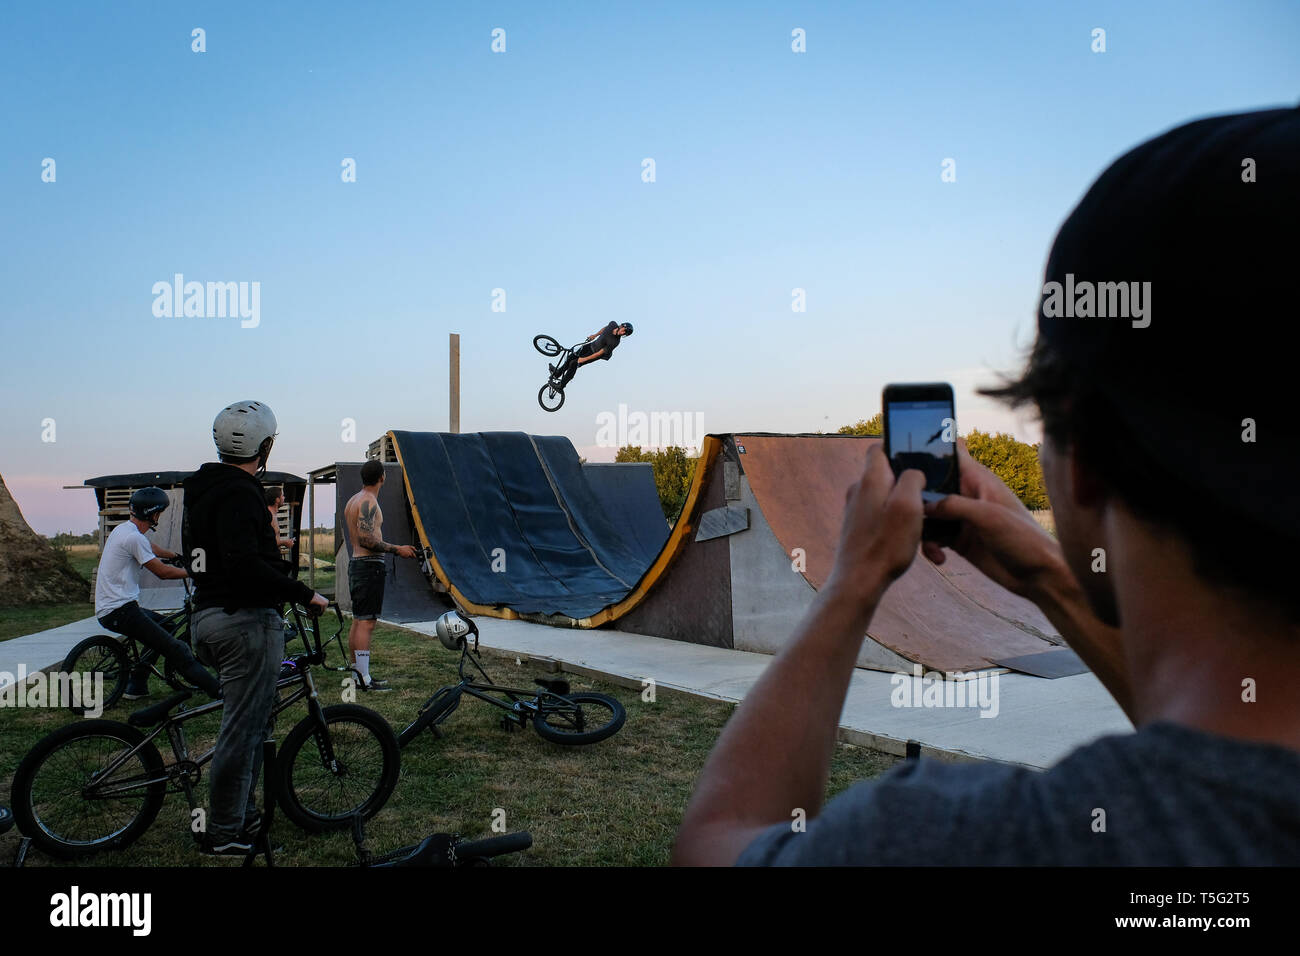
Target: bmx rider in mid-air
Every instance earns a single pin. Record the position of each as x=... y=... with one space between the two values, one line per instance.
x=599 y=345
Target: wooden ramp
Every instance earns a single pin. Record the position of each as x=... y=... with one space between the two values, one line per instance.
x=755 y=540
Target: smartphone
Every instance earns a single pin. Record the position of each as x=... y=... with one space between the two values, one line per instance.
x=921 y=433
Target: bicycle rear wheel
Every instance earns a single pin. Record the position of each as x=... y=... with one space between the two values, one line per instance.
x=320 y=795
x=578 y=718
x=69 y=801
x=104 y=658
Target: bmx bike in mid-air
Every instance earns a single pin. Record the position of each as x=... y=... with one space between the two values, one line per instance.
x=551 y=395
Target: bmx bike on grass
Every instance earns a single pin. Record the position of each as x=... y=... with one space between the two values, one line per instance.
x=116 y=656
x=99 y=784
x=551 y=395
x=556 y=713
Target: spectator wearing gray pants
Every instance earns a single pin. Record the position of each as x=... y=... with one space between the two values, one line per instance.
x=241 y=584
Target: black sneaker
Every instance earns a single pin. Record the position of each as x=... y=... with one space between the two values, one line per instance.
x=240 y=846
x=136 y=691
x=372 y=686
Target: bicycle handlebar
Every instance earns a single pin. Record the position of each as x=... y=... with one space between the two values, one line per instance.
x=494 y=846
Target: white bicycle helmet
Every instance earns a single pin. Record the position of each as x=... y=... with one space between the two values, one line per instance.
x=240 y=429
x=452 y=630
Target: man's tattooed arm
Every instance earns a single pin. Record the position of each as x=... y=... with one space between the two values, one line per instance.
x=366 y=536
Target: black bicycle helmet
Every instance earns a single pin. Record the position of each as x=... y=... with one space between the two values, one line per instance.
x=147 y=502
x=628 y=327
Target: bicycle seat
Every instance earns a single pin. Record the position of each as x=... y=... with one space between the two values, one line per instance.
x=433 y=850
x=157 y=713
x=6 y=820
x=555 y=685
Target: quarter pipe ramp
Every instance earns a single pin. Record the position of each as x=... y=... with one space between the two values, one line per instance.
x=518 y=527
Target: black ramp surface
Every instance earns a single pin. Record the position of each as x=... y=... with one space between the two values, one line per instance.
x=502 y=531
x=590 y=515
x=407 y=594
x=628 y=498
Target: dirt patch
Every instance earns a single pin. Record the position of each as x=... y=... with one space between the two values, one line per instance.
x=32 y=571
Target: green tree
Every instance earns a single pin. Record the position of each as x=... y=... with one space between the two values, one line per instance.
x=870 y=426
x=673 y=471
x=1015 y=462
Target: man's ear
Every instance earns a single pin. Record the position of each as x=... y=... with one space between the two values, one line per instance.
x=1088 y=490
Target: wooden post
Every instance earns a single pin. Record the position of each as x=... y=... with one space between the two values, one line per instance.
x=453 y=380
x=311 y=531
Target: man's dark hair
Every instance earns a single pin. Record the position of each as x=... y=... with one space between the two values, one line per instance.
x=371 y=472
x=1160 y=412
x=1228 y=549
x=270 y=493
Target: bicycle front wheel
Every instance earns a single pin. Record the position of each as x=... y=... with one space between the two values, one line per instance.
x=578 y=718
x=546 y=345
x=435 y=710
x=90 y=786
x=104 y=658
x=320 y=794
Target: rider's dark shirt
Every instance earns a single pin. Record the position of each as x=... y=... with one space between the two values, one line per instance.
x=607 y=340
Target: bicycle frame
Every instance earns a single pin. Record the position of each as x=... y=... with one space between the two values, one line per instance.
x=176 y=623
x=524 y=703
x=180 y=777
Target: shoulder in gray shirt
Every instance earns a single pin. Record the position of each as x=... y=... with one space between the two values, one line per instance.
x=1171 y=796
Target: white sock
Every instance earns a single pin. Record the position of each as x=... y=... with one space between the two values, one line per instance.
x=363 y=665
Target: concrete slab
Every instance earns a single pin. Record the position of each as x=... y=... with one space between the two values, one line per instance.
x=1035 y=722
x=44 y=649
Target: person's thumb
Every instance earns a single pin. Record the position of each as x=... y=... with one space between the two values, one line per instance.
x=955 y=508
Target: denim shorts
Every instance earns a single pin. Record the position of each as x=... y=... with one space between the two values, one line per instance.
x=366 y=585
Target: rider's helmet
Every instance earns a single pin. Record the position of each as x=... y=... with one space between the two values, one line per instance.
x=452 y=630
x=628 y=328
x=240 y=430
x=147 y=502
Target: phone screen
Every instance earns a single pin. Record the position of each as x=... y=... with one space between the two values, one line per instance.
x=921 y=433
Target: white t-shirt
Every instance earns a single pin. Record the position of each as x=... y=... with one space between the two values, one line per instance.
x=118 y=582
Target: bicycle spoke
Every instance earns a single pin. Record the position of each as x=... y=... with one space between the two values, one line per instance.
x=65 y=807
x=337 y=790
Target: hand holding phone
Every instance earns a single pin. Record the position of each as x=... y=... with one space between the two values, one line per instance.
x=921 y=433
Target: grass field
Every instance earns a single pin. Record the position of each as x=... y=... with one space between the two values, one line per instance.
x=17 y=621
x=617 y=802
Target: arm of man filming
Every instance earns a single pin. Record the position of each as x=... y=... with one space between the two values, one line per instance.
x=1001 y=538
x=773 y=757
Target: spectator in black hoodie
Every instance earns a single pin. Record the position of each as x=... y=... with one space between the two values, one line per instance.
x=240 y=583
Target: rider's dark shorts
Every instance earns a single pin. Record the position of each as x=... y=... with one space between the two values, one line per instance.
x=366 y=585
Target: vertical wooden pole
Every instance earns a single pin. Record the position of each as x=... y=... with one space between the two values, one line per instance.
x=453 y=380
x=311 y=531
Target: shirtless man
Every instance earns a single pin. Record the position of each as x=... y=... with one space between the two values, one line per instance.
x=367 y=568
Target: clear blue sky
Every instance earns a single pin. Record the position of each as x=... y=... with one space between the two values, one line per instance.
x=522 y=171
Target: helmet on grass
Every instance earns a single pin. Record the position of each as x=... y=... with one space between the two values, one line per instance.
x=452 y=630
x=147 y=502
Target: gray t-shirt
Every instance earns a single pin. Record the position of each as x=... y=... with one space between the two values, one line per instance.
x=1171 y=796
